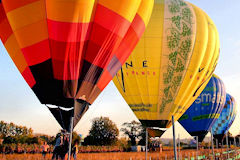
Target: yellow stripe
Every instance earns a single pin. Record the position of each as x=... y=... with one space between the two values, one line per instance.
x=207 y=63
x=27 y=14
x=199 y=50
x=125 y=8
x=144 y=88
x=145 y=10
x=70 y=10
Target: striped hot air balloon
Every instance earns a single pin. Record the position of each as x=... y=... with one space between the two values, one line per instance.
x=226 y=118
x=172 y=63
x=206 y=109
x=69 y=50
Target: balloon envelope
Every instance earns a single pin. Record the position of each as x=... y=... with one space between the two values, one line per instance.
x=69 y=50
x=205 y=110
x=226 y=118
x=171 y=64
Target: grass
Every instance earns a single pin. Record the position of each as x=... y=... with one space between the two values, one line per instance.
x=113 y=156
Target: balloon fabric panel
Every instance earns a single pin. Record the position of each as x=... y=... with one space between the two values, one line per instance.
x=205 y=110
x=71 y=49
x=9 y=40
x=226 y=118
x=70 y=44
x=172 y=63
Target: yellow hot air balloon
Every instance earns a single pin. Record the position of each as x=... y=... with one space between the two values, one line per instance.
x=172 y=63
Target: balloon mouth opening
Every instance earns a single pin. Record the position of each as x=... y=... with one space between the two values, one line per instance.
x=154 y=123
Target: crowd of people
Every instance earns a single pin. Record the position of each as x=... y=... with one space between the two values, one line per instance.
x=59 y=151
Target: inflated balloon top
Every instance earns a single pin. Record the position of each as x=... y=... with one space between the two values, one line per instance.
x=206 y=109
x=226 y=118
x=69 y=50
x=172 y=63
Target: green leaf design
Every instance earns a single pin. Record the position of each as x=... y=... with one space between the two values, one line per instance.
x=187 y=15
x=168 y=76
x=170 y=98
x=176 y=81
x=173 y=39
x=164 y=102
x=182 y=3
x=180 y=66
x=166 y=91
x=181 y=19
x=173 y=57
x=177 y=21
x=186 y=30
x=185 y=48
x=174 y=8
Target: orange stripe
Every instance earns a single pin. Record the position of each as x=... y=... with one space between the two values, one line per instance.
x=10 y=5
x=66 y=32
x=15 y=53
x=145 y=10
x=105 y=78
x=32 y=34
x=111 y=21
x=26 y=15
x=70 y=11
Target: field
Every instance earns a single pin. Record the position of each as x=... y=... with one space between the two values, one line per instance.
x=117 y=156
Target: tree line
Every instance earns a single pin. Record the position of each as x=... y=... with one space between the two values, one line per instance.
x=103 y=132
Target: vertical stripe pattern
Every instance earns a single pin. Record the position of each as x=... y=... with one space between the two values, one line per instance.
x=71 y=49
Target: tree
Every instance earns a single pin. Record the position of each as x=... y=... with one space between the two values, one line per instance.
x=102 y=132
x=133 y=130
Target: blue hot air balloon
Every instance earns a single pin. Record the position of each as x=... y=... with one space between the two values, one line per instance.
x=226 y=118
x=205 y=110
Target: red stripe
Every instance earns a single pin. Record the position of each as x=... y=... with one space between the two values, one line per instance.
x=37 y=53
x=97 y=55
x=62 y=70
x=131 y=39
x=14 y=4
x=101 y=46
x=127 y=46
x=138 y=26
x=2 y=13
x=111 y=21
x=66 y=59
x=66 y=50
x=68 y=32
x=27 y=75
x=5 y=30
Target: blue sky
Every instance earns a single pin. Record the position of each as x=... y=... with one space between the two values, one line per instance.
x=20 y=105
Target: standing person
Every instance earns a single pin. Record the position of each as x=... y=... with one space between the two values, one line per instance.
x=75 y=149
x=57 y=147
x=64 y=146
x=45 y=148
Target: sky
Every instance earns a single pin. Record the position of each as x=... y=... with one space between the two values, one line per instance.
x=19 y=105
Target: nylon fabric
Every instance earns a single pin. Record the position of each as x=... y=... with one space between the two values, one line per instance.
x=206 y=109
x=226 y=118
x=172 y=63
x=70 y=50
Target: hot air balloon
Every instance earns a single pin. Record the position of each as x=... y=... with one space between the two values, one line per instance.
x=69 y=50
x=205 y=110
x=226 y=118
x=171 y=64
